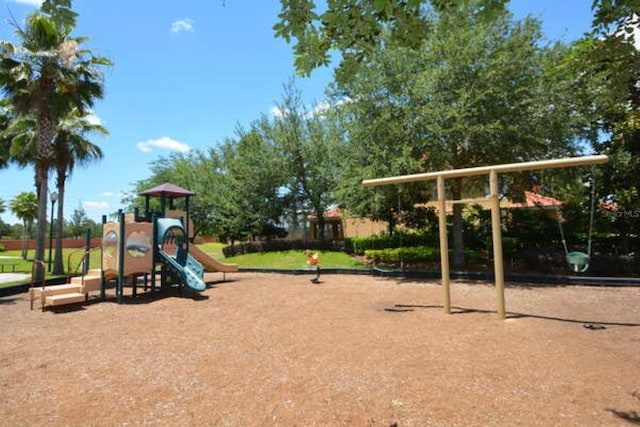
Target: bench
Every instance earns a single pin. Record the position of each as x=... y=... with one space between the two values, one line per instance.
x=12 y=265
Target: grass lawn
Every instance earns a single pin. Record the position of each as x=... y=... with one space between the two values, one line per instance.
x=281 y=259
x=24 y=266
x=292 y=259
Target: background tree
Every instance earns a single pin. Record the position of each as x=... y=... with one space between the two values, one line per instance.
x=78 y=223
x=254 y=177
x=476 y=96
x=25 y=207
x=605 y=66
x=353 y=28
x=380 y=137
x=306 y=140
x=45 y=77
x=5 y=229
x=198 y=171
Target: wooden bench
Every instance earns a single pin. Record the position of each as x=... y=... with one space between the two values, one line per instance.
x=12 y=265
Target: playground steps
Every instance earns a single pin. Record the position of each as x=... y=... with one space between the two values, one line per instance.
x=88 y=283
x=54 y=290
x=69 y=293
x=62 y=299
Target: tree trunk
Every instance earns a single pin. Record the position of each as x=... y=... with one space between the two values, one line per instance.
x=45 y=136
x=41 y=230
x=458 y=260
x=320 y=227
x=58 y=263
x=25 y=230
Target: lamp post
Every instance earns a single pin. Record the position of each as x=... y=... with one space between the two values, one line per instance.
x=54 y=198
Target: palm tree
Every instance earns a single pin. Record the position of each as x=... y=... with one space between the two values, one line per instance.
x=18 y=140
x=5 y=141
x=45 y=77
x=71 y=148
x=25 y=207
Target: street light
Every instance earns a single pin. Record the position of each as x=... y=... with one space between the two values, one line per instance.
x=54 y=198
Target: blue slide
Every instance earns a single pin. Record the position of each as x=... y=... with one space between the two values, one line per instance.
x=191 y=273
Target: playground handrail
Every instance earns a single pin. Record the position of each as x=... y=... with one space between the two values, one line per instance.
x=81 y=262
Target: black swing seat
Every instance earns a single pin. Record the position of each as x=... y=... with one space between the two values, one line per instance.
x=578 y=261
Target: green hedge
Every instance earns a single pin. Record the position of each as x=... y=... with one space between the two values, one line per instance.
x=396 y=240
x=414 y=254
x=285 y=245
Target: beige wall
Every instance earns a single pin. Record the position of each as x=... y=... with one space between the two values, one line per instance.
x=362 y=227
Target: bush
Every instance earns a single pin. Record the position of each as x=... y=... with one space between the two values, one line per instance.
x=285 y=245
x=411 y=254
x=416 y=254
x=397 y=240
x=2 y=248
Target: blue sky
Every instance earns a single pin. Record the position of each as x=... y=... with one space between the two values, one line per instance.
x=187 y=73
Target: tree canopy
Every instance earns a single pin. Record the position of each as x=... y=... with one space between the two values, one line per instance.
x=481 y=95
x=352 y=28
x=43 y=78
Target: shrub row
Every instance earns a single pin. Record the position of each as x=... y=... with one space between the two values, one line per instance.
x=426 y=254
x=396 y=240
x=285 y=245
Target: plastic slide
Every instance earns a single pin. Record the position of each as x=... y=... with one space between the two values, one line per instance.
x=190 y=273
x=211 y=264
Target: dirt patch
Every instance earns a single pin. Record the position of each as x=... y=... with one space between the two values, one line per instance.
x=271 y=349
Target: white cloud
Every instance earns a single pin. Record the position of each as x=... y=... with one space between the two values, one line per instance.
x=181 y=25
x=107 y=194
x=165 y=143
x=36 y=3
x=276 y=111
x=95 y=205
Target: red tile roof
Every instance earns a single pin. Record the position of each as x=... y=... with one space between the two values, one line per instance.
x=532 y=199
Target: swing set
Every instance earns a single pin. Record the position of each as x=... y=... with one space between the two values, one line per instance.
x=578 y=261
x=493 y=172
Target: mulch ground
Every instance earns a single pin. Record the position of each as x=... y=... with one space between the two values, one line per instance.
x=270 y=349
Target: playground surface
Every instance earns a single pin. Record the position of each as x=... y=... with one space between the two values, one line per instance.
x=272 y=349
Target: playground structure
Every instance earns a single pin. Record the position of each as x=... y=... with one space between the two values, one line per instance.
x=494 y=197
x=135 y=247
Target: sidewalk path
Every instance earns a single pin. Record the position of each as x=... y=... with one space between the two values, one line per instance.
x=13 y=277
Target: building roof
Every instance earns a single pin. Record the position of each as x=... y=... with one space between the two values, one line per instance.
x=167 y=190
x=532 y=199
x=333 y=213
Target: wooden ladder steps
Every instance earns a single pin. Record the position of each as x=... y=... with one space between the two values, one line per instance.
x=62 y=299
x=55 y=289
x=91 y=283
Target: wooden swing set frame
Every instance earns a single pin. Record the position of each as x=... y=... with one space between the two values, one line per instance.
x=493 y=172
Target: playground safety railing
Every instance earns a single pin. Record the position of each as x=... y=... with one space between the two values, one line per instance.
x=70 y=271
